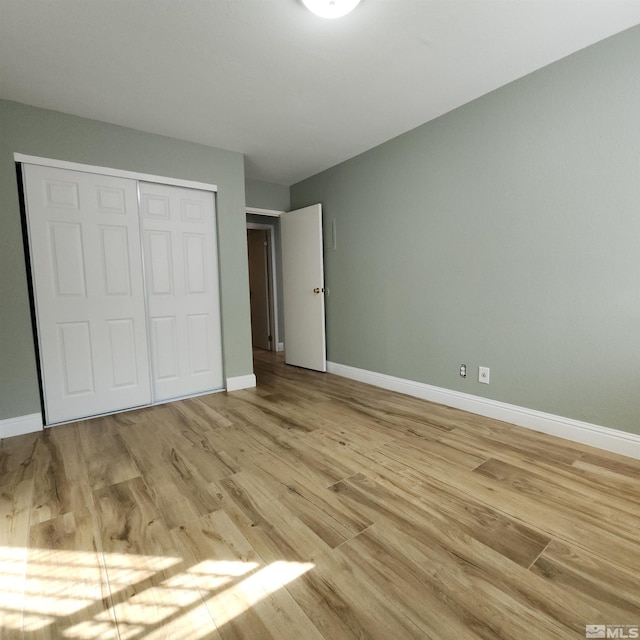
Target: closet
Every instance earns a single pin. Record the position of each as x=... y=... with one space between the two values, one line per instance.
x=125 y=290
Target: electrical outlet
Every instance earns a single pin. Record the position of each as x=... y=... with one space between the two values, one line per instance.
x=484 y=374
x=463 y=370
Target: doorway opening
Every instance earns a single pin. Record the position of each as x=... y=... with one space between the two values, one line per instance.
x=262 y=286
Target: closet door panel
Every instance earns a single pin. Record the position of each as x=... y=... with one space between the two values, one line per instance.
x=164 y=337
x=87 y=272
x=180 y=253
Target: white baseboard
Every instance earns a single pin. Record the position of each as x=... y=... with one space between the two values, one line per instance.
x=280 y=346
x=241 y=382
x=614 y=440
x=20 y=425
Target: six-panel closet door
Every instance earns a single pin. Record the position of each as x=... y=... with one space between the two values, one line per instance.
x=125 y=280
x=87 y=274
x=181 y=266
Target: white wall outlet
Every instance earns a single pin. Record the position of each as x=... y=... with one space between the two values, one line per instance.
x=484 y=374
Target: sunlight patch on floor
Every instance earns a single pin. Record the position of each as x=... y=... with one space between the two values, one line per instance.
x=241 y=596
x=147 y=596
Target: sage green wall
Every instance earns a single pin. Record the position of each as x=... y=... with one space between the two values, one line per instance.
x=51 y=134
x=504 y=234
x=267 y=195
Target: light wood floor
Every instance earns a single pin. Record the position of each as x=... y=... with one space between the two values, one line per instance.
x=313 y=507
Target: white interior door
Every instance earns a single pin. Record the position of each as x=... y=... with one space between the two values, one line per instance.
x=303 y=288
x=181 y=271
x=87 y=273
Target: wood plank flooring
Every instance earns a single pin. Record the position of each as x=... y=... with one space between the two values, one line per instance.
x=313 y=507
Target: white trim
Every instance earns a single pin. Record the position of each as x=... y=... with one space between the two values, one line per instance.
x=622 y=442
x=20 y=425
x=264 y=212
x=241 y=382
x=280 y=346
x=110 y=171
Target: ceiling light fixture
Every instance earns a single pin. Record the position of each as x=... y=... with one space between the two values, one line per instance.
x=331 y=8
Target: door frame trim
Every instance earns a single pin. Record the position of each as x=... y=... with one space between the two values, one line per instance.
x=273 y=296
x=274 y=213
x=116 y=173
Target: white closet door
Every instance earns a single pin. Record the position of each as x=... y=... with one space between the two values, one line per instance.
x=181 y=270
x=87 y=270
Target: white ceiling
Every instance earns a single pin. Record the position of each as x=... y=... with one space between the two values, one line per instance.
x=294 y=92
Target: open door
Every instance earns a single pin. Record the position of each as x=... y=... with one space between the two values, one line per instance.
x=303 y=288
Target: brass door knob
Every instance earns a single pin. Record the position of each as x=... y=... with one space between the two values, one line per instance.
x=318 y=290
